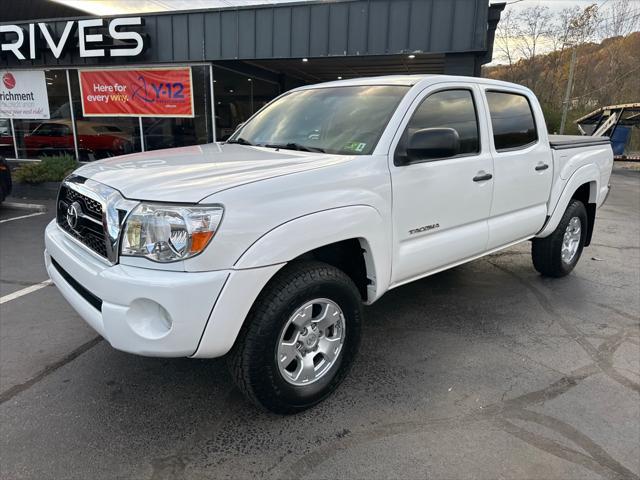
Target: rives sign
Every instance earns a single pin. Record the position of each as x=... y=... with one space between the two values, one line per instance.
x=94 y=37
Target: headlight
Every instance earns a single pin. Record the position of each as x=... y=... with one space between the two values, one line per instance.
x=167 y=233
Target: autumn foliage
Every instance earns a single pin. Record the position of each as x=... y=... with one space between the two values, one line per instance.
x=606 y=73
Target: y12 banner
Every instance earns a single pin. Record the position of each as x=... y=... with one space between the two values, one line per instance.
x=144 y=92
x=23 y=94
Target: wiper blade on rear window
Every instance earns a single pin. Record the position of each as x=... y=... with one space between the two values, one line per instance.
x=296 y=146
x=240 y=141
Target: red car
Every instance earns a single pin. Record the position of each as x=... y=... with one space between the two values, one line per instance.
x=95 y=140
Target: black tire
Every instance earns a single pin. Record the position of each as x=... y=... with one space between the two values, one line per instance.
x=547 y=252
x=252 y=361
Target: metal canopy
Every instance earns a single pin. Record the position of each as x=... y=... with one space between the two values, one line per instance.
x=629 y=114
x=327 y=69
x=119 y=7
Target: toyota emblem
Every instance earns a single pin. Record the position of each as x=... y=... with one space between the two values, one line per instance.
x=73 y=213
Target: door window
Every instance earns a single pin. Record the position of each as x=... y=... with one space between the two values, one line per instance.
x=52 y=130
x=512 y=120
x=448 y=109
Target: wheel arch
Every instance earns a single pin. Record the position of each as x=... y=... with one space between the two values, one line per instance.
x=587 y=193
x=357 y=243
x=583 y=185
x=358 y=227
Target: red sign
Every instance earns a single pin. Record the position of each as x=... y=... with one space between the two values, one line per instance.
x=148 y=92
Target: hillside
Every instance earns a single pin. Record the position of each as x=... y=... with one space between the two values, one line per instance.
x=606 y=73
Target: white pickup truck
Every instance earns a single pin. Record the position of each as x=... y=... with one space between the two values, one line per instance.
x=264 y=248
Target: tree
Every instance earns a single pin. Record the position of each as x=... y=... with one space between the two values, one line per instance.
x=619 y=18
x=506 y=38
x=581 y=28
x=533 y=28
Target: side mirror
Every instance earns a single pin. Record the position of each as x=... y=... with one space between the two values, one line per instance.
x=432 y=143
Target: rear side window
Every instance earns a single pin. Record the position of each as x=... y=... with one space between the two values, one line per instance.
x=512 y=120
x=449 y=109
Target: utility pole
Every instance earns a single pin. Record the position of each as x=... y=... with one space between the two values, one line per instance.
x=567 y=95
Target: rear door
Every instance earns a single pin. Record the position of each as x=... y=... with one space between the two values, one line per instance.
x=441 y=205
x=523 y=166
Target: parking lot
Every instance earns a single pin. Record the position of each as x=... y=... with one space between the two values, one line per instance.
x=484 y=371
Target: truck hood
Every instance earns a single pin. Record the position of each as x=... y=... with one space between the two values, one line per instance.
x=190 y=174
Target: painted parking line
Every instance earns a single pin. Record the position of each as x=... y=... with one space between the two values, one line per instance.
x=25 y=291
x=34 y=207
x=22 y=216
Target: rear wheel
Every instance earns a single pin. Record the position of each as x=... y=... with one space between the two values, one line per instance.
x=558 y=254
x=299 y=339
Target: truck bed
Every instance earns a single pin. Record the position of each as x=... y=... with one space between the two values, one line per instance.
x=563 y=142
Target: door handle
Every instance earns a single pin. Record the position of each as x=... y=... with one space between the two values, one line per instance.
x=482 y=178
x=542 y=166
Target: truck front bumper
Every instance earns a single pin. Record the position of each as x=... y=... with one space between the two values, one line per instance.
x=147 y=311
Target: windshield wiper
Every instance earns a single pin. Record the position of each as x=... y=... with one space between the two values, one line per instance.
x=296 y=146
x=240 y=141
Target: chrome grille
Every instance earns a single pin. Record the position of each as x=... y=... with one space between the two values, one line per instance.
x=97 y=212
x=93 y=206
x=89 y=228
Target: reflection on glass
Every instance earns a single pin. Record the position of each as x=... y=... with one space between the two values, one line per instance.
x=512 y=120
x=237 y=98
x=340 y=120
x=449 y=109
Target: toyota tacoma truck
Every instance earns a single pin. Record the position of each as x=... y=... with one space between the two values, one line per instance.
x=264 y=248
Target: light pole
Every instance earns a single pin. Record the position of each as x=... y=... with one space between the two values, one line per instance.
x=567 y=95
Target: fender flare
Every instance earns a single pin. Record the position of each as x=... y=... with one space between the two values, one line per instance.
x=587 y=174
x=304 y=234
x=267 y=255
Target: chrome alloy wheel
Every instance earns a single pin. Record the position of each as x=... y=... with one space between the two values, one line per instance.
x=311 y=342
x=571 y=240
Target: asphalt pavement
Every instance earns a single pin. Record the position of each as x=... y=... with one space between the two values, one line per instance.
x=484 y=371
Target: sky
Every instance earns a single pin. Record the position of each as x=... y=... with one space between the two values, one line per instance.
x=555 y=5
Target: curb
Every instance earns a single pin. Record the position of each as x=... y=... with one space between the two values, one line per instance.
x=33 y=207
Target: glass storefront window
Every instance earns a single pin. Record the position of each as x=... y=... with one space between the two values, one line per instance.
x=238 y=97
x=38 y=138
x=102 y=137
x=179 y=132
x=6 y=139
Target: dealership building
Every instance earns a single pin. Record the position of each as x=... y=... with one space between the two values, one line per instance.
x=93 y=87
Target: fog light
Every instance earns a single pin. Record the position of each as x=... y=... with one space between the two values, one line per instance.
x=149 y=319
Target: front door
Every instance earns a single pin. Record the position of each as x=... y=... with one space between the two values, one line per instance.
x=441 y=205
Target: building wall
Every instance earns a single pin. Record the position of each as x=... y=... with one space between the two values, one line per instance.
x=343 y=28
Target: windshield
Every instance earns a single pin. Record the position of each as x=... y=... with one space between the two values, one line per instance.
x=339 y=120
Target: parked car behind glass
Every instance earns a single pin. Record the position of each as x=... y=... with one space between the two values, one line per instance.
x=95 y=140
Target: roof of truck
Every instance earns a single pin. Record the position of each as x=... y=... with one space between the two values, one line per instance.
x=408 y=80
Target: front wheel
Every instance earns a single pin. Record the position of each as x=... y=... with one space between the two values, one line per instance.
x=557 y=254
x=299 y=339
